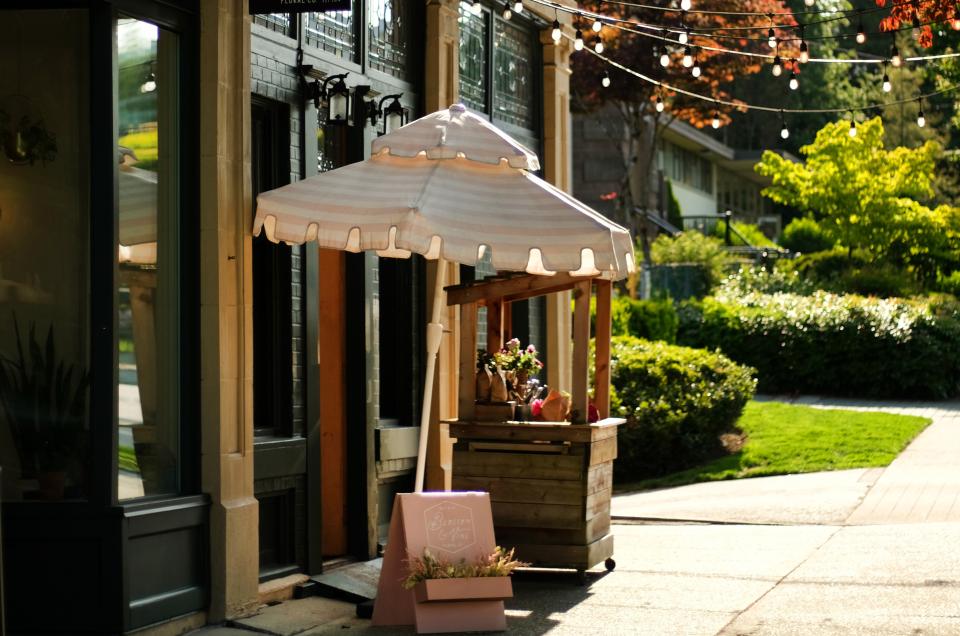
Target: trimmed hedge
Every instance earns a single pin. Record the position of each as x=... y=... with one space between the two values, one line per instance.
x=831 y=344
x=677 y=402
x=654 y=319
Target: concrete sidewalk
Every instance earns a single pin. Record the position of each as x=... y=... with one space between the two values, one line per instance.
x=845 y=552
x=921 y=485
x=715 y=579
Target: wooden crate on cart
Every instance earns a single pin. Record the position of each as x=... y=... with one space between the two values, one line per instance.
x=549 y=482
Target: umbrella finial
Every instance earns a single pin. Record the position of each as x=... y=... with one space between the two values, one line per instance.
x=457 y=109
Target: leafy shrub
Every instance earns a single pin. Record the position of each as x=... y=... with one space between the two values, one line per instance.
x=654 y=319
x=693 y=247
x=950 y=284
x=674 y=214
x=805 y=235
x=828 y=266
x=752 y=235
x=677 y=402
x=840 y=271
x=831 y=344
x=877 y=279
x=766 y=280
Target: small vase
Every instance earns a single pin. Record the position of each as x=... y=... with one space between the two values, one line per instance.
x=498 y=387
x=483 y=384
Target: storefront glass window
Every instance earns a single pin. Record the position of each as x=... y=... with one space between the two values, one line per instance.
x=513 y=56
x=147 y=294
x=279 y=22
x=333 y=32
x=474 y=31
x=44 y=255
x=389 y=28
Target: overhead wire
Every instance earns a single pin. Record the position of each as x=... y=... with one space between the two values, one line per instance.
x=746 y=106
x=617 y=24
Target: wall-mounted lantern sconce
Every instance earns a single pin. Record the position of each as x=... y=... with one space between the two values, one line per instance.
x=336 y=98
x=393 y=116
x=330 y=93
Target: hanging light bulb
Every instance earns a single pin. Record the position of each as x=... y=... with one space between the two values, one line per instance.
x=598 y=46
x=895 y=58
x=887 y=86
x=853 y=127
x=804 y=52
x=921 y=120
x=955 y=23
x=794 y=81
x=771 y=38
x=507 y=11
x=664 y=57
x=684 y=36
x=578 y=41
x=556 y=34
x=809 y=3
x=476 y=8
x=659 y=106
x=597 y=25
x=518 y=7
x=777 y=66
x=784 y=131
x=606 y=79
x=716 y=120
x=686 y=4
x=687 y=57
x=861 y=34
x=695 y=71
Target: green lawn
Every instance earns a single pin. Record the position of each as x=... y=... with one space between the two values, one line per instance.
x=784 y=438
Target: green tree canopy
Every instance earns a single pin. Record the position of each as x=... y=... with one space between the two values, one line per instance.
x=870 y=198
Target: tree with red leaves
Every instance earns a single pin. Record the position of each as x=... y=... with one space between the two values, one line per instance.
x=628 y=105
x=919 y=13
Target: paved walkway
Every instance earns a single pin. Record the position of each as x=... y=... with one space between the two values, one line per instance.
x=921 y=485
x=858 y=552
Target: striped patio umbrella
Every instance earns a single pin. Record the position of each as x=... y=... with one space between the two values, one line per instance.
x=448 y=186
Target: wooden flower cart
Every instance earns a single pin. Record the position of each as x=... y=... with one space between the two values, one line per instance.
x=549 y=482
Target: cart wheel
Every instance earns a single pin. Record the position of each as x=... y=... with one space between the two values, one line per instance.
x=581 y=577
x=610 y=564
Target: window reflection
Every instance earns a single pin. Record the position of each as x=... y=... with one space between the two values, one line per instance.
x=148 y=334
x=44 y=215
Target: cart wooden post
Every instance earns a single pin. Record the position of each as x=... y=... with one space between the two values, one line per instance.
x=549 y=482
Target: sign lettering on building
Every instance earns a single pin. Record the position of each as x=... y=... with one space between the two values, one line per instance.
x=298 y=6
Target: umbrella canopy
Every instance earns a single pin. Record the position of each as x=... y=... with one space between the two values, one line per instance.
x=449 y=185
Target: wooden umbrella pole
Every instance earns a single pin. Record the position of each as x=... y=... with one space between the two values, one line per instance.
x=434 y=335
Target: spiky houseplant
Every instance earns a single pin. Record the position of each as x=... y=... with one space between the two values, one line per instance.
x=43 y=399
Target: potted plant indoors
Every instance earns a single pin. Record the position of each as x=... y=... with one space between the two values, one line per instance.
x=43 y=398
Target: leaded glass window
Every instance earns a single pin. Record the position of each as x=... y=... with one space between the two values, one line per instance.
x=389 y=30
x=513 y=55
x=474 y=32
x=279 y=22
x=333 y=32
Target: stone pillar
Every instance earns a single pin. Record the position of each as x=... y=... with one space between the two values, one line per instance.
x=226 y=307
x=556 y=170
x=442 y=72
x=441 y=89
